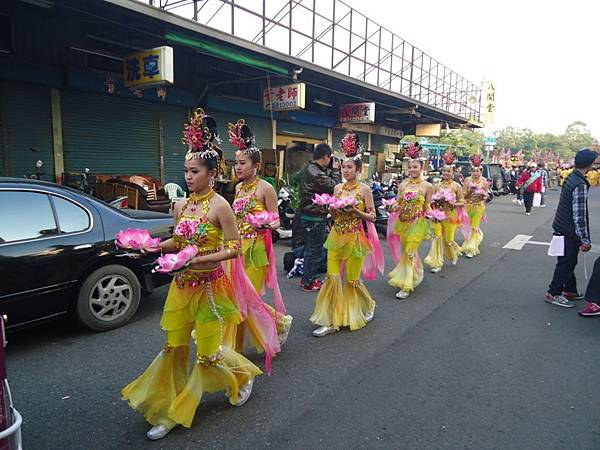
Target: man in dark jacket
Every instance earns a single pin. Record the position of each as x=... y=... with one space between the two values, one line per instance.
x=320 y=176
x=572 y=223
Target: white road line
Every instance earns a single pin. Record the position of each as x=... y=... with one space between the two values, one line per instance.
x=518 y=242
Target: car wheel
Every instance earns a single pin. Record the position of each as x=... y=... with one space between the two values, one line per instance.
x=108 y=298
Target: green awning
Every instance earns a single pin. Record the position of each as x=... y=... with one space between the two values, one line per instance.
x=224 y=52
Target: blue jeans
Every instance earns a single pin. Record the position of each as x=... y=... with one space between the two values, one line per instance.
x=315 y=231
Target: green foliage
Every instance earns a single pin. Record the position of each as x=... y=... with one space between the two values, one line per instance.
x=575 y=137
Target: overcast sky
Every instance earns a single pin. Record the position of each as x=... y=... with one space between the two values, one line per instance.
x=543 y=55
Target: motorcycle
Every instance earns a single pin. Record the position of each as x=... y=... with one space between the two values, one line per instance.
x=381 y=213
x=286 y=214
x=38 y=174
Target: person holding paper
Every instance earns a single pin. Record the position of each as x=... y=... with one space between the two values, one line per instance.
x=572 y=223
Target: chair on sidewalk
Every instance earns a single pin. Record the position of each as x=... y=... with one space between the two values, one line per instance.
x=174 y=192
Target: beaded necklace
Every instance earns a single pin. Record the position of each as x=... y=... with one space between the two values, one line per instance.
x=248 y=188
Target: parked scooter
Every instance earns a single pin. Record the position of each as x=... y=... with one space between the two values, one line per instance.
x=381 y=213
x=286 y=214
x=37 y=175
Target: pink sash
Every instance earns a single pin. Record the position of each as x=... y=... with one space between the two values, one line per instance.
x=375 y=261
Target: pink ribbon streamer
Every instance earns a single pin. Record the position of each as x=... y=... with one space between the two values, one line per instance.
x=465 y=222
x=393 y=239
x=271 y=280
x=256 y=308
x=375 y=261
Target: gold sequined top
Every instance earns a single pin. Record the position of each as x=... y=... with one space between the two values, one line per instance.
x=246 y=202
x=197 y=229
x=345 y=221
x=413 y=208
x=476 y=199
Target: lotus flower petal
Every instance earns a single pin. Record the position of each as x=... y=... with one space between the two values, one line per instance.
x=437 y=214
x=323 y=199
x=175 y=261
x=136 y=239
x=389 y=201
x=262 y=218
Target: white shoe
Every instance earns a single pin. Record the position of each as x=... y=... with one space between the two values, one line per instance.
x=527 y=214
x=245 y=392
x=468 y=255
x=402 y=294
x=454 y=262
x=370 y=316
x=436 y=270
x=323 y=331
x=158 y=432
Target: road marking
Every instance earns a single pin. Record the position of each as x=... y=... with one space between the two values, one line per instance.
x=518 y=242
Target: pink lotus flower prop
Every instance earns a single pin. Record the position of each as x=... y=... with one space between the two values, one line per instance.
x=437 y=215
x=342 y=203
x=389 y=201
x=262 y=218
x=174 y=261
x=480 y=192
x=410 y=196
x=323 y=199
x=444 y=196
x=137 y=239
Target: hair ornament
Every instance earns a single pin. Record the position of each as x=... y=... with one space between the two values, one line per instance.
x=476 y=160
x=241 y=137
x=449 y=158
x=351 y=145
x=197 y=136
x=413 y=151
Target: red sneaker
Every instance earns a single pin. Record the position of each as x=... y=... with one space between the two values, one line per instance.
x=313 y=287
x=590 y=309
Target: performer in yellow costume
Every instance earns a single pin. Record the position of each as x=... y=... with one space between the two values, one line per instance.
x=201 y=302
x=253 y=198
x=475 y=191
x=408 y=227
x=447 y=198
x=347 y=303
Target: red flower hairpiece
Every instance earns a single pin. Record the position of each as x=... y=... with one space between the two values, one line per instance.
x=476 y=160
x=350 y=144
x=413 y=151
x=241 y=137
x=197 y=137
x=449 y=158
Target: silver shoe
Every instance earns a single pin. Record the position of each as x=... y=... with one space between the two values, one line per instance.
x=323 y=331
x=436 y=270
x=244 y=393
x=158 y=432
x=468 y=255
x=454 y=262
x=402 y=294
x=370 y=316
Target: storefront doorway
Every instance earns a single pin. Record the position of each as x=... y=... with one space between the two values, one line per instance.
x=295 y=152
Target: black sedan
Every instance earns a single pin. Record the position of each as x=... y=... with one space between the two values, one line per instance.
x=57 y=256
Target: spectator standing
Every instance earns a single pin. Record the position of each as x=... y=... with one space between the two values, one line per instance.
x=545 y=182
x=320 y=176
x=572 y=222
x=530 y=183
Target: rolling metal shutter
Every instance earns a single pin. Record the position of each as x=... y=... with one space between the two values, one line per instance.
x=29 y=129
x=110 y=134
x=174 y=118
x=301 y=130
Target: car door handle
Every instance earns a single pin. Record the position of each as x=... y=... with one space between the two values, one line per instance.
x=82 y=246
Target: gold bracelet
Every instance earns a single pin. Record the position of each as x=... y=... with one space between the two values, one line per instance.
x=232 y=246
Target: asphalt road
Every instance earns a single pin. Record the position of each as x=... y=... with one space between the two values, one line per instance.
x=474 y=359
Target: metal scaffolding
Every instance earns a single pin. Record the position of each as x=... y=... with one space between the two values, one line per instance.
x=331 y=34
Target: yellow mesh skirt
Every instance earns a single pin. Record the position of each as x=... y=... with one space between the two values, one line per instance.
x=443 y=245
x=471 y=246
x=408 y=273
x=345 y=305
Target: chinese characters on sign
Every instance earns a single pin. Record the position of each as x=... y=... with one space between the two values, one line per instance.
x=489 y=113
x=284 y=98
x=357 y=113
x=150 y=68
